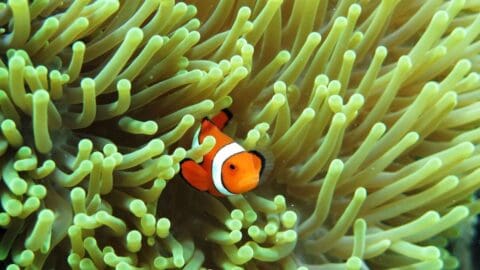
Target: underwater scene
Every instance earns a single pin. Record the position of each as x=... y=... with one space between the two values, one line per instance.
x=239 y=134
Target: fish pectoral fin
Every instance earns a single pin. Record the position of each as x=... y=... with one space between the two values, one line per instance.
x=194 y=174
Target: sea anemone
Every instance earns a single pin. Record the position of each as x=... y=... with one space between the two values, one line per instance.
x=368 y=113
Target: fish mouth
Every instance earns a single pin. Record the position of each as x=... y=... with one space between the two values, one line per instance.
x=246 y=185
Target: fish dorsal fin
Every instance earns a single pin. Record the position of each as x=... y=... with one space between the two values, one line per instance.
x=221 y=119
x=206 y=127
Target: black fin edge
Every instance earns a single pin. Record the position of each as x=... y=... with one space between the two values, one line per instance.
x=228 y=113
x=181 y=171
x=262 y=158
x=185 y=179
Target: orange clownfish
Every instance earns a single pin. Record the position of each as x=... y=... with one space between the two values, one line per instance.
x=228 y=168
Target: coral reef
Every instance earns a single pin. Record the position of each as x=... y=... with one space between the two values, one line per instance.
x=368 y=112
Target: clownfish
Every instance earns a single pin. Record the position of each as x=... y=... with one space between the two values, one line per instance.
x=228 y=168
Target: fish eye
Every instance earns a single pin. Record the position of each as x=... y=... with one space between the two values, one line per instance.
x=232 y=167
